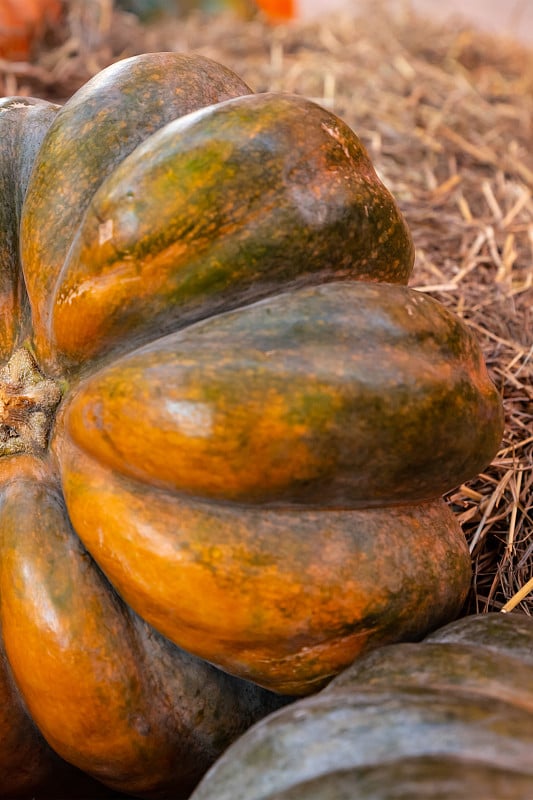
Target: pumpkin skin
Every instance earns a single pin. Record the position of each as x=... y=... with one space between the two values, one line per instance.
x=299 y=400
x=127 y=707
x=183 y=712
x=130 y=707
x=277 y=378
x=216 y=209
x=103 y=122
x=449 y=717
x=286 y=628
x=24 y=122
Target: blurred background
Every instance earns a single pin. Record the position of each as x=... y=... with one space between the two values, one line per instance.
x=513 y=18
x=23 y=23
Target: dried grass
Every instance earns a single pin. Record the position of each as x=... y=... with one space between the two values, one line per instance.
x=446 y=114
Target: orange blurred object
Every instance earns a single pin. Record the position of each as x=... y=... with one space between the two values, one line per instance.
x=23 y=23
x=278 y=9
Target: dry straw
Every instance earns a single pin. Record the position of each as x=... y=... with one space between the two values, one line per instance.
x=446 y=114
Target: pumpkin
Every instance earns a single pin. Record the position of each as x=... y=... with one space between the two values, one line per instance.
x=225 y=421
x=449 y=717
x=23 y=23
x=278 y=10
x=266 y=409
x=102 y=688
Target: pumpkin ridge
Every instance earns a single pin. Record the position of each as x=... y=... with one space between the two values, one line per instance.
x=171 y=538
x=97 y=127
x=271 y=403
x=326 y=222
x=126 y=722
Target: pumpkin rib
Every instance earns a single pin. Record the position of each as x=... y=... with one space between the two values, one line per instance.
x=368 y=728
x=27 y=762
x=493 y=632
x=344 y=395
x=125 y=723
x=412 y=779
x=220 y=208
x=436 y=718
x=25 y=759
x=97 y=127
x=271 y=611
x=24 y=122
x=462 y=669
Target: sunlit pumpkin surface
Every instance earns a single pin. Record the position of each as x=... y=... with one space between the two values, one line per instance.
x=226 y=423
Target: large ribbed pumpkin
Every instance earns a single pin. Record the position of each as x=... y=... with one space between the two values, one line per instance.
x=448 y=718
x=225 y=421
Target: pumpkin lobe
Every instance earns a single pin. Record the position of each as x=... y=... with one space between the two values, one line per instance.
x=28 y=401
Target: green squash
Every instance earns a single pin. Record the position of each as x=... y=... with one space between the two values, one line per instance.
x=448 y=718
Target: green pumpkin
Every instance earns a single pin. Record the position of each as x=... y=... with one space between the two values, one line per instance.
x=449 y=718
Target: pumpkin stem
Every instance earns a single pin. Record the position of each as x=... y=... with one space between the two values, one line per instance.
x=28 y=401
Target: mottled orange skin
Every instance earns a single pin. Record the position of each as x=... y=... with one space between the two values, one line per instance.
x=29 y=767
x=323 y=396
x=103 y=122
x=109 y=694
x=265 y=549
x=219 y=208
x=25 y=758
x=269 y=580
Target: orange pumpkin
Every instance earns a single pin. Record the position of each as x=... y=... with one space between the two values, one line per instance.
x=277 y=9
x=23 y=23
x=85 y=678
x=225 y=421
